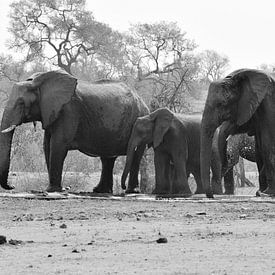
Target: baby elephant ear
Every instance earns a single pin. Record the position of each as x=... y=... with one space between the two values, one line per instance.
x=56 y=89
x=162 y=121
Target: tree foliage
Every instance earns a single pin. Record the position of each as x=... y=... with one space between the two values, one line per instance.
x=269 y=68
x=10 y=68
x=60 y=31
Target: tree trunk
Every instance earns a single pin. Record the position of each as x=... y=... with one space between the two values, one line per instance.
x=144 y=173
x=242 y=172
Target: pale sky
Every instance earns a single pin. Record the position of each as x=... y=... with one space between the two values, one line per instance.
x=244 y=30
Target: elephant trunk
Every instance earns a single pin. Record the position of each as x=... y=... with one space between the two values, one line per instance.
x=209 y=125
x=5 y=149
x=129 y=160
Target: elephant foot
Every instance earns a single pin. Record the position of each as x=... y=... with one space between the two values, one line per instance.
x=209 y=194
x=268 y=192
x=199 y=191
x=7 y=186
x=229 y=192
x=216 y=187
x=52 y=188
x=136 y=190
x=102 y=189
x=160 y=192
x=183 y=193
x=217 y=191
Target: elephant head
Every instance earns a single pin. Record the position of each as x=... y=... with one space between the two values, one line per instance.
x=39 y=98
x=235 y=100
x=150 y=130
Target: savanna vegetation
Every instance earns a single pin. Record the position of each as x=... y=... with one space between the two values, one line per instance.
x=159 y=60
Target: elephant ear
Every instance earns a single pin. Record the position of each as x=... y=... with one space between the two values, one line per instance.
x=162 y=121
x=254 y=86
x=55 y=89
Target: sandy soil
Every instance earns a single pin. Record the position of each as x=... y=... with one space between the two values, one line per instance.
x=107 y=236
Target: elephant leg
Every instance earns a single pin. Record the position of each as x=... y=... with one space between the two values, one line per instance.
x=265 y=152
x=180 y=184
x=262 y=179
x=216 y=180
x=46 y=148
x=105 y=184
x=268 y=173
x=261 y=170
x=229 y=182
x=197 y=176
x=59 y=137
x=58 y=153
x=162 y=173
x=133 y=178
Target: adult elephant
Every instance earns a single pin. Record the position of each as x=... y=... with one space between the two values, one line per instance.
x=245 y=100
x=176 y=142
x=225 y=155
x=94 y=118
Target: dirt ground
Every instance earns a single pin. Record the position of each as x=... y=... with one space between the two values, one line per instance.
x=118 y=235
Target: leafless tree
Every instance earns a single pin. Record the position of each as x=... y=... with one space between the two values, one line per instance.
x=60 y=31
x=213 y=65
x=162 y=54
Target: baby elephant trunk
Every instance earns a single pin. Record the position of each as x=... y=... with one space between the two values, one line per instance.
x=129 y=160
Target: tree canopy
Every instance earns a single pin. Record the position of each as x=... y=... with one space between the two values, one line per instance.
x=60 y=31
x=161 y=53
x=157 y=58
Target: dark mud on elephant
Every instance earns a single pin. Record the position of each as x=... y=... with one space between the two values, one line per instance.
x=225 y=155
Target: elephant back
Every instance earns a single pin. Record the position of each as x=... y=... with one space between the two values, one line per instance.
x=111 y=107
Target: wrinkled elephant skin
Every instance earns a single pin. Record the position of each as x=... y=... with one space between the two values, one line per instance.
x=95 y=119
x=245 y=99
x=176 y=142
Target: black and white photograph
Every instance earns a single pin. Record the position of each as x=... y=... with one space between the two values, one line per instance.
x=137 y=137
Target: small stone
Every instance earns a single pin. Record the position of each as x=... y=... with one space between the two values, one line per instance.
x=201 y=213
x=75 y=251
x=15 y=242
x=30 y=241
x=3 y=239
x=63 y=226
x=162 y=240
x=50 y=255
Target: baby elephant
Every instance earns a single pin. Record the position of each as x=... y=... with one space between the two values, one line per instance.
x=176 y=142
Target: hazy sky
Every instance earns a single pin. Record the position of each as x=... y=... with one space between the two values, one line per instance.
x=244 y=30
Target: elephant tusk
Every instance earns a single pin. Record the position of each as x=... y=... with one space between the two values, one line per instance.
x=228 y=137
x=11 y=128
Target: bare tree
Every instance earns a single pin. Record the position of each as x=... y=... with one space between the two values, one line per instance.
x=161 y=53
x=213 y=65
x=59 y=31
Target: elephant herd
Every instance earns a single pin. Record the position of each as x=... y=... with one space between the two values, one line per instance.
x=107 y=119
